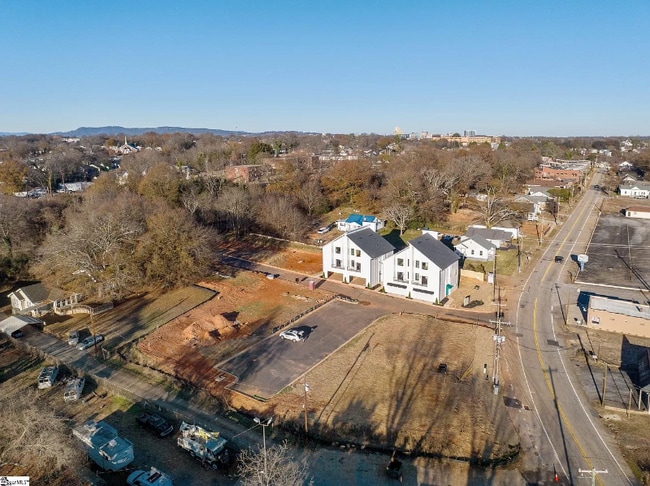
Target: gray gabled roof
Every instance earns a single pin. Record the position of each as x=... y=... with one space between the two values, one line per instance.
x=488 y=234
x=36 y=293
x=637 y=185
x=370 y=242
x=481 y=241
x=436 y=251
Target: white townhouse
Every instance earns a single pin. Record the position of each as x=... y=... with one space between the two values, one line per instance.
x=638 y=190
x=425 y=270
x=357 y=254
x=476 y=248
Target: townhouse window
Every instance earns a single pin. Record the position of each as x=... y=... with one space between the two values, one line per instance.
x=351 y=263
x=417 y=263
x=425 y=266
x=400 y=262
x=472 y=252
x=425 y=281
x=480 y=252
x=337 y=250
x=338 y=264
x=352 y=251
x=400 y=277
x=358 y=253
x=358 y=266
x=416 y=277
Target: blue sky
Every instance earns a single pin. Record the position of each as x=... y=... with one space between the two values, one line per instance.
x=552 y=68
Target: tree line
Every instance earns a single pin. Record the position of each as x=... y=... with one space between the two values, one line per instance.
x=155 y=218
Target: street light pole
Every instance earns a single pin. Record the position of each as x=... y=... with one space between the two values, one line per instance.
x=264 y=426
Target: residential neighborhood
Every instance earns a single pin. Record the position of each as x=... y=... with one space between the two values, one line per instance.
x=308 y=244
x=380 y=257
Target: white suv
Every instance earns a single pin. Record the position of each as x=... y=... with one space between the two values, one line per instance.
x=293 y=335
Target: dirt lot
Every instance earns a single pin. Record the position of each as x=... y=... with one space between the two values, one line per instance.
x=384 y=388
x=245 y=309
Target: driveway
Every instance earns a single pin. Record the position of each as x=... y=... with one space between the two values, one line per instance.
x=274 y=363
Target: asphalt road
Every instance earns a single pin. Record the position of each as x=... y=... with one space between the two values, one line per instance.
x=560 y=431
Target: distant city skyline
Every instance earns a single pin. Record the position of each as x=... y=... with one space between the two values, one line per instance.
x=511 y=68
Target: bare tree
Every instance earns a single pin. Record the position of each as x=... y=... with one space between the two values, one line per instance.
x=311 y=196
x=175 y=250
x=35 y=438
x=95 y=249
x=494 y=209
x=234 y=204
x=280 y=214
x=400 y=214
x=272 y=466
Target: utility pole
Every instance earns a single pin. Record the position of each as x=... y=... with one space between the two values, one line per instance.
x=494 y=278
x=593 y=473
x=602 y=400
x=498 y=340
x=629 y=250
x=305 y=406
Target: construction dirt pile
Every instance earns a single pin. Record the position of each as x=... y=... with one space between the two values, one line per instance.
x=208 y=331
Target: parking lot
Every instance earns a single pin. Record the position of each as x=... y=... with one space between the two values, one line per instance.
x=619 y=253
x=274 y=363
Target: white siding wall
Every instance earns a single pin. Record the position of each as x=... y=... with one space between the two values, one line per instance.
x=466 y=248
x=412 y=267
x=354 y=263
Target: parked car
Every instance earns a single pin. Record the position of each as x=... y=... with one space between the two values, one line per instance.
x=73 y=338
x=47 y=377
x=153 y=477
x=323 y=230
x=18 y=333
x=90 y=342
x=155 y=423
x=559 y=259
x=293 y=335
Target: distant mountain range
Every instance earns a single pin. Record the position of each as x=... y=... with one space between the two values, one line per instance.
x=88 y=131
x=115 y=130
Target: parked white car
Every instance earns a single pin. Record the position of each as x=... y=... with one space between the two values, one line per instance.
x=293 y=335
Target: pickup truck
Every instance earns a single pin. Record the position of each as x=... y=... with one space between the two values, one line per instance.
x=155 y=423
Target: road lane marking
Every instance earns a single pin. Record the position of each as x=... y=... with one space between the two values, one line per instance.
x=549 y=385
